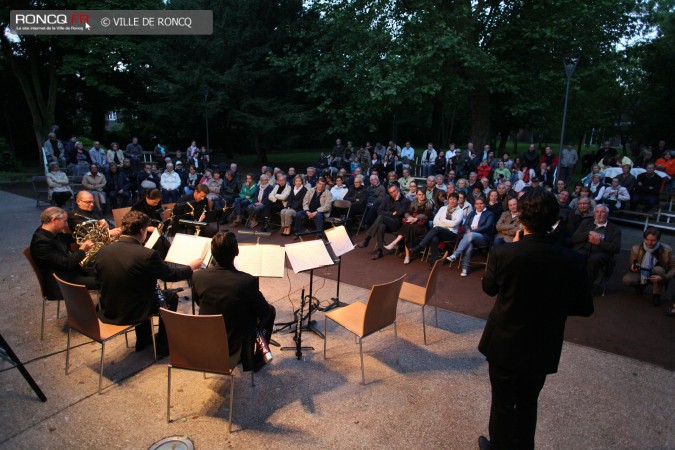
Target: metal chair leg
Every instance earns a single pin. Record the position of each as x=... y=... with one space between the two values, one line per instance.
x=67 y=350
x=363 y=375
x=252 y=379
x=229 y=425
x=424 y=327
x=168 y=395
x=58 y=308
x=42 y=326
x=396 y=341
x=325 y=336
x=100 y=370
x=154 y=345
x=436 y=315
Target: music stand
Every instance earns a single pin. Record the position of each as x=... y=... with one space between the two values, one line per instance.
x=307 y=256
x=340 y=243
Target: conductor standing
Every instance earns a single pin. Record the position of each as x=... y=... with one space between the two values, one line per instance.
x=538 y=285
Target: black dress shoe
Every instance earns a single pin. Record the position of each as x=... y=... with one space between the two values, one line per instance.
x=363 y=244
x=377 y=255
x=483 y=443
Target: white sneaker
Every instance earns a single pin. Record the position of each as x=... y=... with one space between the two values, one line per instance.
x=464 y=273
x=451 y=258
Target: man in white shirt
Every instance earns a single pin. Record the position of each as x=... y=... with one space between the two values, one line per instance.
x=446 y=223
x=408 y=152
x=170 y=183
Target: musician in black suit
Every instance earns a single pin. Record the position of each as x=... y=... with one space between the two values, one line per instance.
x=194 y=207
x=84 y=212
x=151 y=206
x=50 y=249
x=128 y=273
x=236 y=295
x=537 y=284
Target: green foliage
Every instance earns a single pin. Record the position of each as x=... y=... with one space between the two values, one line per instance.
x=8 y=160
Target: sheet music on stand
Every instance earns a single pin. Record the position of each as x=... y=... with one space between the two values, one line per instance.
x=339 y=240
x=153 y=239
x=308 y=255
x=185 y=248
x=261 y=260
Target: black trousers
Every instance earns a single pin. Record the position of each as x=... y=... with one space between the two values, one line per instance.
x=144 y=330
x=513 y=413
x=381 y=225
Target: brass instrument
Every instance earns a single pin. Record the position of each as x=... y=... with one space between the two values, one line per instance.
x=92 y=231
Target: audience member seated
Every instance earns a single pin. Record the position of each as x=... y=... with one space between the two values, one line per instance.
x=415 y=224
x=651 y=263
x=230 y=189
x=215 y=185
x=392 y=180
x=258 y=202
x=316 y=206
x=248 y=191
x=405 y=180
x=445 y=228
x=667 y=164
x=389 y=216
x=117 y=187
x=79 y=162
x=615 y=195
x=59 y=191
x=99 y=157
x=493 y=203
x=479 y=228
x=50 y=249
x=339 y=190
x=53 y=149
x=411 y=194
x=508 y=224
x=278 y=198
x=115 y=155
x=376 y=196
x=647 y=188
x=294 y=201
x=600 y=240
x=147 y=180
x=95 y=182
x=170 y=182
x=583 y=211
x=191 y=180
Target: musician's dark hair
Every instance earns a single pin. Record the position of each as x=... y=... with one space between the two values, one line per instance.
x=538 y=210
x=134 y=222
x=202 y=188
x=224 y=247
x=154 y=194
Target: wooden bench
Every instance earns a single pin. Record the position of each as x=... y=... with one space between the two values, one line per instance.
x=633 y=217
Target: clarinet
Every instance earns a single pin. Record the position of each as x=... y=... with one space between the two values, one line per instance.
x=262 y=345
x=298 y=329
x=159 y=297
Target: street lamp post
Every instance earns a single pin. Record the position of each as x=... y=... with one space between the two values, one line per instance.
x=206 y=116
x=570 y=62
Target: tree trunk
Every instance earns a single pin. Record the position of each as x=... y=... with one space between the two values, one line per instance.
x=260 y=152
x=437 y=122
x=42 y=111
x=504 y=136
x=480 y=118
